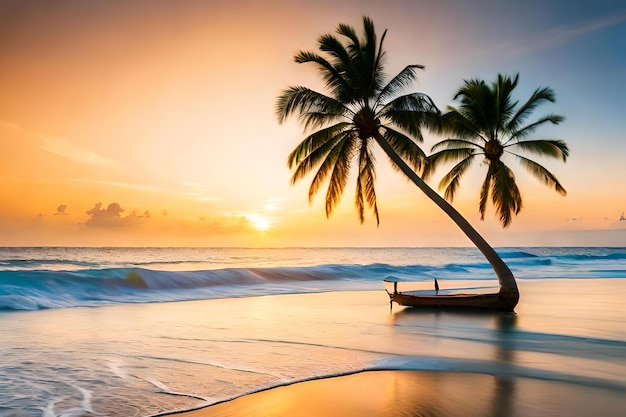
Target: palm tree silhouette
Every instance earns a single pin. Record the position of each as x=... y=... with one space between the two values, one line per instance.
x=489 y=123
x=359 y=110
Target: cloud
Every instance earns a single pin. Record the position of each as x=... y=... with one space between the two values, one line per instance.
x=13 y=126
x=66 y=149
x=61 y=210
x=217 y=226
x=111 y=216
x=198 y=192
x=559 y=35
x=62 y=147
x=138 y=187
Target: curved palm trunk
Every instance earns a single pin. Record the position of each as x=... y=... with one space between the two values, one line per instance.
x=508 y=294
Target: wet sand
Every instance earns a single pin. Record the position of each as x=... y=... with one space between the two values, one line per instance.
x=413 y=393
x=539 y=363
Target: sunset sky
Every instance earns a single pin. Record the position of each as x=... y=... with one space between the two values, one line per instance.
x=151 y=122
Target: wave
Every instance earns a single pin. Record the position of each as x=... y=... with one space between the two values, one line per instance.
x=34 y=264
x=516 y=254
x=43 y=289
x=71 y=278
x=586 y=257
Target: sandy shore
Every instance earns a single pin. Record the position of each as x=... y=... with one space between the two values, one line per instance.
x=546 y=338
x=412 y=393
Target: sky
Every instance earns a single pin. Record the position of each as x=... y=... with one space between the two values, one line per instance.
x=151 y=122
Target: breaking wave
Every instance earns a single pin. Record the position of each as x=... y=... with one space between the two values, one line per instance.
x=41 y=281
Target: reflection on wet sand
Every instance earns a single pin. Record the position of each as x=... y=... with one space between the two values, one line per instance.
x=503 y=325
x=413 y=394
x=404 y=393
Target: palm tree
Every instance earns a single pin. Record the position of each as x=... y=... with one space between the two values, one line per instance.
x=487 y=126
x=359 y=110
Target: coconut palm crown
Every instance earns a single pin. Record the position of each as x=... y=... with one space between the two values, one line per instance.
x=359 y=106
x=488 y=125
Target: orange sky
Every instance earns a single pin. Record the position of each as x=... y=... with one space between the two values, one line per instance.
x=152 y=122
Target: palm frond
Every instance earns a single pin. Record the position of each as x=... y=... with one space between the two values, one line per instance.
x=455 y=124
x=335 y=48
x=504 y=105
x=555 y=119
x=554 y=148
x=318 y=156
x=539 y=96
x=317 y=120
x=485 y=189
x=379 y=63
x=368 y=74
x=302 y=100
x=505 y=195
x=542 y=174
x=340 y=172
x=313 y=142
x=331 y=75
x=358 y=64
x=349 y=32
x=406 y=148
x=366 y=192
x=477 y=105
x=455 y=144
x=327 y=166
x=398 y=83
x=445 y=156
x=411 y=112
x=452 y=178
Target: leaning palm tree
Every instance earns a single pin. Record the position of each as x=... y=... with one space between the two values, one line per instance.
x=487 y=126
x=360 y=109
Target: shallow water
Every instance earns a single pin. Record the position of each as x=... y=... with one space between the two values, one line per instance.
x=145 y=359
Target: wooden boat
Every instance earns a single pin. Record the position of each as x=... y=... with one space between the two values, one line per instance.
x=472 y=298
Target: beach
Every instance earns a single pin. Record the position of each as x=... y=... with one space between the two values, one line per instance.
x=566 y=340
x=411 y=393
x=551 y=358
x=107 y=346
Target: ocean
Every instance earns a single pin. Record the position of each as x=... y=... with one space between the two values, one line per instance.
x=45 y=278
x=147 y=331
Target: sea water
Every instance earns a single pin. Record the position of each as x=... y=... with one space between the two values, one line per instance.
x=45 y=278
x=96 y=331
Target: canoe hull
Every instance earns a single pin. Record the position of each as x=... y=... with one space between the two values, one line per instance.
x=494 y=301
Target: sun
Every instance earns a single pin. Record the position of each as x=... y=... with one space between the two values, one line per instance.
x=259 y=222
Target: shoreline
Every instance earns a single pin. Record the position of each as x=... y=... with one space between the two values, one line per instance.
x=385 y=393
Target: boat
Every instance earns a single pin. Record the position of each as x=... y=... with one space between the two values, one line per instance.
x=481 y=298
